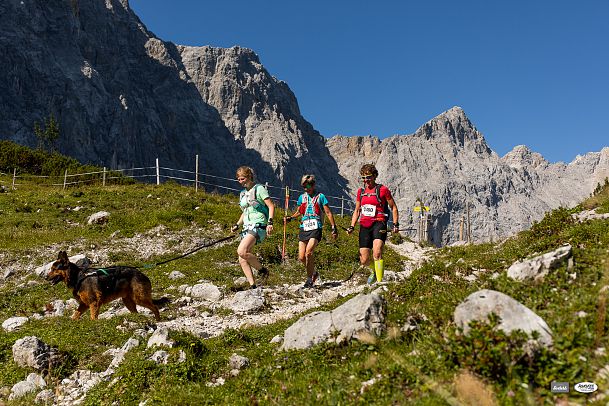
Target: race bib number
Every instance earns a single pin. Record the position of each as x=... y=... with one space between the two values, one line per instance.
x=310 y=225
x=369 y=210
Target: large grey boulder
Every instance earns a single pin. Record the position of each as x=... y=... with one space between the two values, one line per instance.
x=364 y=314
x=14 y=323
x=33 y=353
x=160 y=337
x=32 y=383
x=101 y=217
x=247 y=301
x=205 y=291
x=237 y=361
x=538 y=267
x=513 y=315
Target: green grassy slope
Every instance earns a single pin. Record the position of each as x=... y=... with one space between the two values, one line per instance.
x=416 y=367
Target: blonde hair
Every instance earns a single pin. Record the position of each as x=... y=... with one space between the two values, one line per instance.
x=307 y=179
x=245 y=171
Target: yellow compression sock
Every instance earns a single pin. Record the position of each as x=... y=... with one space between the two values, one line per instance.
x=379 y=268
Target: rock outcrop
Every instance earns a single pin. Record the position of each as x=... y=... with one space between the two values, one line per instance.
x=513 y=315
x=123 y=97
x=448 y=164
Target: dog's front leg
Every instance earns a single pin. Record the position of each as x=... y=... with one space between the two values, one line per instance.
x=94 y=309
x=78 y=312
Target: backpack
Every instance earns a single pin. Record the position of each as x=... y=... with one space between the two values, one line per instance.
x=252 y=200
x=305 y=203
x=377 y=194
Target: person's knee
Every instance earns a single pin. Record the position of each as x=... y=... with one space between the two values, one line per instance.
x=242 y=252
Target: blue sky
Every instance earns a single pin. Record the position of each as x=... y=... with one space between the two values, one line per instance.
x=525 y=72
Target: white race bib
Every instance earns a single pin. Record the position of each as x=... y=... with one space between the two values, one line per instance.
x=309 y=225
x=369 y=210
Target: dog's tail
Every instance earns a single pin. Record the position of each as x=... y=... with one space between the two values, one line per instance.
x=161 y=302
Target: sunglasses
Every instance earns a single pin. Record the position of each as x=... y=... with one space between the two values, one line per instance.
x=307 y=185
x=365 y=178
x=241 y=178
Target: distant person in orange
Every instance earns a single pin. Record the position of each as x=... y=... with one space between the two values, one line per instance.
x=372 y=208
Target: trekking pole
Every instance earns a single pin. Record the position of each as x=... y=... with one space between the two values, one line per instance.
x=285 y=221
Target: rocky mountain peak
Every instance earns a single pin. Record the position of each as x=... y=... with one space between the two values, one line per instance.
x=454 y=126
x=521 y=156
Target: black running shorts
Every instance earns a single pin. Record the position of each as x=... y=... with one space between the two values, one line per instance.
x=378 y=231
x=305 y=236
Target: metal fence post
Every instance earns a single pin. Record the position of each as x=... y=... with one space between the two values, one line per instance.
x=342 y=206
x=196 y=173
x=158 y=173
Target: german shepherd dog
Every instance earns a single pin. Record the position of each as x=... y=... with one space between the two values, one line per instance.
x=95 y=287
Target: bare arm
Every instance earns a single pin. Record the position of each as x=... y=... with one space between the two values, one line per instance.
x=355 y=214
x=271 y=206
x=394 y=210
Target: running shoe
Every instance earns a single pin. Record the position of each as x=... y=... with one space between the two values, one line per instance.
x=371 y=278
x=308 y=284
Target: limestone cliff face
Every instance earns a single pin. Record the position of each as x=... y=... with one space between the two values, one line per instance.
x=124 y=97
x=448 y=164
x=262 y=113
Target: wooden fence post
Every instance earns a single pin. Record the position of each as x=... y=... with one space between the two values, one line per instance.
x=461 y=228
x=342 y=206
x=14 y=177
x=65 y=179
x=469 y=227
x=196 y=173
x=104 y=177
x=158 y=173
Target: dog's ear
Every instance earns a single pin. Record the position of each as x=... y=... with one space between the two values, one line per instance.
x=63 y=257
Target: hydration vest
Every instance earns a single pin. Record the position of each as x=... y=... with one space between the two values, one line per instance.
x=382 y=208
x=252 y=201
x=302 y=209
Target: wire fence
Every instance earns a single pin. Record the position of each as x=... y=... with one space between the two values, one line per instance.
x=158 y=174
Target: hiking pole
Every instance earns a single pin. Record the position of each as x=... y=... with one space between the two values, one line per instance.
x=285 y=221
x=148 y=266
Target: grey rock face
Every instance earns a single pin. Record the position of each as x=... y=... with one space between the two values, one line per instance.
x=32 y=383
x=32 y=353
x=237 y=361
x=538 y=267
x=363 y=313
x=160 y=338
x=448 y=164
x=206 y=291
x=101 y=217
x=123 y=97
x=14 y=323
x=247 y=301
x=513 y=314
